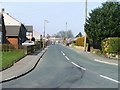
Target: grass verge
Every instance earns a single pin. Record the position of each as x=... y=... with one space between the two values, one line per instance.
x=9 y=58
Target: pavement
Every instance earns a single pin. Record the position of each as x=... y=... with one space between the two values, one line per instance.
x=62 y=67
x=22 y=67
x=95 y=57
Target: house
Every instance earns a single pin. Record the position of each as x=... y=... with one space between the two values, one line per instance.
x=15 y=30
x=29 y=33
x=36 y=35
x=2 y=30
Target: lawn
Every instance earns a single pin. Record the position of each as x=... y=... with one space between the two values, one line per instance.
x=9 y=58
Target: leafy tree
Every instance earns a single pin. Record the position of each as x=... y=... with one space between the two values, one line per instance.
x=65 y=34
x=69 y=34
x=61 y=34
x=103 y=22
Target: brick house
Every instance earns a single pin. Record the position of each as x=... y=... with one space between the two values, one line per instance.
x=15 y=31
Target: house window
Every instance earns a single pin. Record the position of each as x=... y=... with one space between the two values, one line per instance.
x=27 y=33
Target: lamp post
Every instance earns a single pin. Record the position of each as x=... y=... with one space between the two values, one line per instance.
x=85 y=22
x=44 y=43
x=45 y=21
x=66 y=30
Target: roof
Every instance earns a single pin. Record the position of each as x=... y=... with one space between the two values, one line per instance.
x=29 y=28
x=12 y=30
x=9 y=20
x=12 y=25
x=0 y=22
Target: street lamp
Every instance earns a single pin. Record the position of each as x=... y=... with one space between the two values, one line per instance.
x=66 y=30
x=85 y=21
x=45 y=21
x=44 y=41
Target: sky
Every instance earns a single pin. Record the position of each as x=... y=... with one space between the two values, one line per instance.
x=57 y=13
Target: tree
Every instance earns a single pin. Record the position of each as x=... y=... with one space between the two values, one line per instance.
x=61 y=34
x=103 y=22
x=79 y=34
x=64 y=34
x=69 y=34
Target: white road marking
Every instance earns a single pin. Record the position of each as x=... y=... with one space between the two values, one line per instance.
x=78 y=66
x=109 y=78
x=63 y=53
x=105 y=62
x=67 y=58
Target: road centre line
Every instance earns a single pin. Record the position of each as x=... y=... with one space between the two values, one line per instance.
x=78 y=66
x=72 y=62
x=109 y=78
x=67 y=58
x=105 y=77
x=105 y=62
x=63 y=53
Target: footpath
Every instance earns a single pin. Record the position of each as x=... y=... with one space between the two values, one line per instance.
x=95 y=57
x=22 y=67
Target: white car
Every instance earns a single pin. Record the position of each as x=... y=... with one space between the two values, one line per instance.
x=28 y=43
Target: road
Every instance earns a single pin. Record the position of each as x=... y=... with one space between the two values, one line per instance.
x=62 y=67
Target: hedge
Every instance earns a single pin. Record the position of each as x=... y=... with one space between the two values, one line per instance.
x=111 y=45
x=79 y=41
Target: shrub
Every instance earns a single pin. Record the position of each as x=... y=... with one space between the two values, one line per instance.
x=111 y=45
x=79 y=41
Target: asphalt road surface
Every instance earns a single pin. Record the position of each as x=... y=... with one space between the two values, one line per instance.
x=62 y=67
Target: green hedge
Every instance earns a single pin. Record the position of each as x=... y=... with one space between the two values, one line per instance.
x=111 y=45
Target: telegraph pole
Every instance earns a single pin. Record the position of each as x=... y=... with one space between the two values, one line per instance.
x=45 y=21
x=66 y=29
x=85 y=22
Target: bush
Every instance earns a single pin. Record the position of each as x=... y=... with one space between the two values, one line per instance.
x=111 y=45
x=79 y=41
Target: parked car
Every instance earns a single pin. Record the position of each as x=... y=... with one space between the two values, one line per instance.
x=28 y=43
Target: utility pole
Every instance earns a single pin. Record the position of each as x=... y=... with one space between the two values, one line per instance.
x=44 y=42
x=44 y=30
x=85 y=22
x=66 y=30
x=45 y=21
